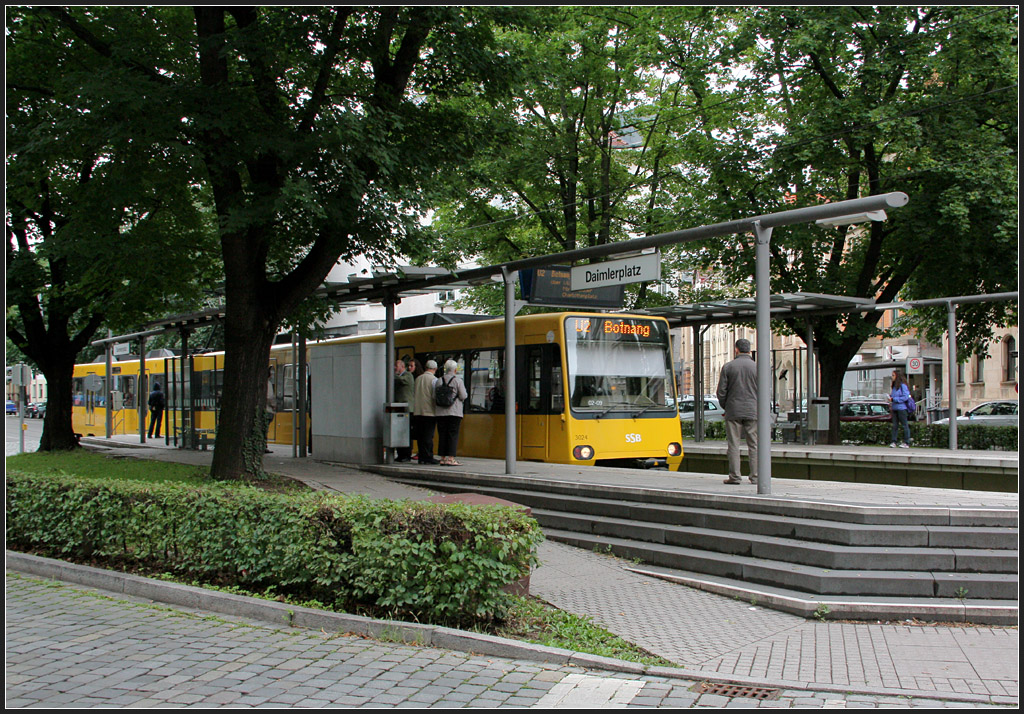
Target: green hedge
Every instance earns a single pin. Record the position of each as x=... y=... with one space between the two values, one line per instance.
x=969 y=436
x=876 y=433
x=437 y=563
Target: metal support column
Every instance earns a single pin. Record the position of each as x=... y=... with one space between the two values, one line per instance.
x=389 y=364
x=301 y=395
x=108 y=382
x=510 y=370
x=812 y=386
x=764 y=347
x=951 y=329
x=142 y=391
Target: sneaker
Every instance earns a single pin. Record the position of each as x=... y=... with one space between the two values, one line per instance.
x=904 y=446
x=892 y=445
x=730 y=481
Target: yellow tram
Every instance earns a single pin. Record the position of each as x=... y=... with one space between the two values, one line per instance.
x=591 y=388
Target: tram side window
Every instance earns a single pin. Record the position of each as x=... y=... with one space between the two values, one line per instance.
x=126 y=385
x=210 y=382
x=78 y=392
x=286 y=402
x=486 y=380
x=540 y=385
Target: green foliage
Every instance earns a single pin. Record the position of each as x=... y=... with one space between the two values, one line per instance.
x=530 y=619
x=712 y=429
x=91 y=465
x=969 y=436
x=438 y=563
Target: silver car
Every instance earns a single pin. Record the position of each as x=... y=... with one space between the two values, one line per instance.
x=713 y=411
x=1000 y=413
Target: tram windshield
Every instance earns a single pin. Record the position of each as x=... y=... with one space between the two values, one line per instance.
x=618 y=364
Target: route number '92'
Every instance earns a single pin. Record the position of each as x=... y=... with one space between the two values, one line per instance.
x=633 y=438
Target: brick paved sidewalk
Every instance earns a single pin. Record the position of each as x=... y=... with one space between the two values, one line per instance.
x=68 y=646
x=716 y=635
x=710 y=633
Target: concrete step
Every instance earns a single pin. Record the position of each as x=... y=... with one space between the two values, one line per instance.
x=741 y=505
x=762 y=525
x=791 y=550
x=801 y=578
x=843 y=607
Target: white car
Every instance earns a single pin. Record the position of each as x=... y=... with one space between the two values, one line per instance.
x=713 y=411
x=1001 y=413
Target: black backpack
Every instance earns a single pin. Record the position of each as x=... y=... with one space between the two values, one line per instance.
x=445 y=394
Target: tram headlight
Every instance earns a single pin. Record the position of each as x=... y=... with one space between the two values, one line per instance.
x=675 y=449
x=583 y=453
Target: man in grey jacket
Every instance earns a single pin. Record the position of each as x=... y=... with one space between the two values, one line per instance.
x=737 y=393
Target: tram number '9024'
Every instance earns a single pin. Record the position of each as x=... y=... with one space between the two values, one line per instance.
x=633 y=438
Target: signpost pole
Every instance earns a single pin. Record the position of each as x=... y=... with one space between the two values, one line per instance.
x=764 y=347
x=510 y=371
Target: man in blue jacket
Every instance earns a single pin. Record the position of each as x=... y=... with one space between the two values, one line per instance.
x=737 y=393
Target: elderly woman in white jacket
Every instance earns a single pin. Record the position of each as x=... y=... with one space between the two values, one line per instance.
x=449 y=419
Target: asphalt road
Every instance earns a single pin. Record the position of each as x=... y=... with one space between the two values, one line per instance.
x=33 y=432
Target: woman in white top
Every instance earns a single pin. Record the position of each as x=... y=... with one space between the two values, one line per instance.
x=449 y=419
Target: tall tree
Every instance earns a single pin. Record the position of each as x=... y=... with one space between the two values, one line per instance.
x=99 y=216
x=315 y=128
x=857 y=101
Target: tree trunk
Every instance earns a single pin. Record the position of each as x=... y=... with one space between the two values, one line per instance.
x=833 y=361
x=58 y=430
x=243 y=401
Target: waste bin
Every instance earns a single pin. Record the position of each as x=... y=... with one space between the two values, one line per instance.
x=396 y=425
x=817 y=414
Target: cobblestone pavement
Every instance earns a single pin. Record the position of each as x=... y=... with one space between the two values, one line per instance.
x=700 y=630
x=69 y=646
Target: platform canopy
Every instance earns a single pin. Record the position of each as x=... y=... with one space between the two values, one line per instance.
x=781 y=306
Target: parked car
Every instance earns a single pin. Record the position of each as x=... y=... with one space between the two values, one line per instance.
x=868 y=410
x=999 y=413
x=36 y=410
x=713 y=411
x=864 y=410
x=12 y=408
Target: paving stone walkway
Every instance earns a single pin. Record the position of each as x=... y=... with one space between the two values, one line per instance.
x=715 y=635
x=712 y=633
x=69 y=646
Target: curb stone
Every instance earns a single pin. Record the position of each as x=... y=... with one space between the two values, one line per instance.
x=281 y=614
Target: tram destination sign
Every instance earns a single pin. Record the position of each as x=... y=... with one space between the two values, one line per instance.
x=551 y=286
x=637 y=269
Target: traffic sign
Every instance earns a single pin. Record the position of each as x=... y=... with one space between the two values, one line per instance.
x=915 y=365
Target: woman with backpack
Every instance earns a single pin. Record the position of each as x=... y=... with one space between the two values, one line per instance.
x=450 y=393
x=900 y=405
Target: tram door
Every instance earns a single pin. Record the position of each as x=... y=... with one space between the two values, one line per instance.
x=540 y=423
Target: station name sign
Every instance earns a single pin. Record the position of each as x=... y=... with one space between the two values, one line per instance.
x=637 y=269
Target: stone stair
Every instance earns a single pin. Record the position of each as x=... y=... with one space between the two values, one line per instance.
x=925 y=562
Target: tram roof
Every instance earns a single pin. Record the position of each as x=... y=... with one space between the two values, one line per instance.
x=781 y=306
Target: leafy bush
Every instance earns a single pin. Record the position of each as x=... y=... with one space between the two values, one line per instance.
x=439 y=563
x=969 y=436
x=712 y=429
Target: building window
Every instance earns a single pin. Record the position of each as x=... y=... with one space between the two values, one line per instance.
x=979 y=369
x=1010 y=360
x=961 y=369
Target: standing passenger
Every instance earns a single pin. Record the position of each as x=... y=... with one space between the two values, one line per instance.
x=404 y=387
x=423 y=413
x=156 y=409
x=449 y=418
x=737 y=393
x=899 y=398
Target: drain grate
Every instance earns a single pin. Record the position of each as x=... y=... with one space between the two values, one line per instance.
x=736 y=690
